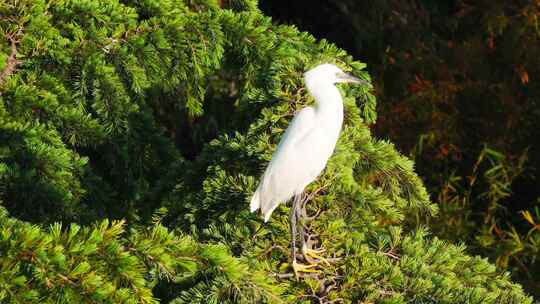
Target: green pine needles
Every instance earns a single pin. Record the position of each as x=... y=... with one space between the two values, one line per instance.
x=147 y=123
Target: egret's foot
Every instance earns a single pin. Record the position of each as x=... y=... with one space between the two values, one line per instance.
x=313 y=256
x=297 y=268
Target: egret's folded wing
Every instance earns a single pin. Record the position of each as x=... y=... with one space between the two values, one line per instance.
x=283 y=174
x=301 y=124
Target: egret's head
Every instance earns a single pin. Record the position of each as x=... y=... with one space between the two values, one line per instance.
x=329 y=74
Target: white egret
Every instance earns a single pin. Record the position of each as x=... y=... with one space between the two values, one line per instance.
x=304 y=149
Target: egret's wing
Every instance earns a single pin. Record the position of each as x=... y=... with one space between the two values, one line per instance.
x=301 y=124
x=283 y=174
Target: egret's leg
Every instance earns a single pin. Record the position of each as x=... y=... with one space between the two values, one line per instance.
x=294 y=220
x=300 y=213
x=312 y=256
x=293 y=229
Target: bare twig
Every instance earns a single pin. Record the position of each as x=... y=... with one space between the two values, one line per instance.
x=391 y=255
x=12 y=61
x=283 y=275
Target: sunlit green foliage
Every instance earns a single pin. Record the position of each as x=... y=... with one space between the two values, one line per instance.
x=163 y=113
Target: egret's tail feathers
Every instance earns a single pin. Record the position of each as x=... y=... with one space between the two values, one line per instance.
x=267 y=215
x=266 y=205
x=268 y=209
x=255 y=202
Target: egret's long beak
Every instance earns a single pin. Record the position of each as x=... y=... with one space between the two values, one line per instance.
x=346 y=78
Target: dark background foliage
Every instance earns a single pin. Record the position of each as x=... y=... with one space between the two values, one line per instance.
x=457 y=88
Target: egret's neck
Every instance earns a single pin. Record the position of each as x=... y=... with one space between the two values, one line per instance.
x=327 y=97
x=328 y=107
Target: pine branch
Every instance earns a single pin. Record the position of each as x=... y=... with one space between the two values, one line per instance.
x=12 y=61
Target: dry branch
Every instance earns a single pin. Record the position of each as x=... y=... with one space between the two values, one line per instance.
x=12 y=61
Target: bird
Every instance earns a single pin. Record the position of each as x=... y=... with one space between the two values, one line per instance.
x=304 y=150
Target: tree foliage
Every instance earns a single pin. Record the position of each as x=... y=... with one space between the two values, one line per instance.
x=455 y=84
x=163 y=113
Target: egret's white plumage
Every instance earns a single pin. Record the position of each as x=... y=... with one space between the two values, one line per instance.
x=307 y=144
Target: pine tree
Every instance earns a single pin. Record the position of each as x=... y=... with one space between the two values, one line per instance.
x=163 y=113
